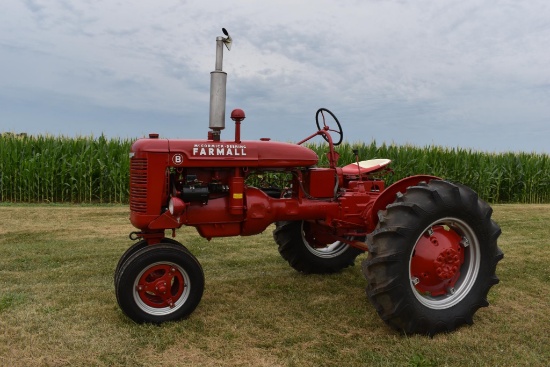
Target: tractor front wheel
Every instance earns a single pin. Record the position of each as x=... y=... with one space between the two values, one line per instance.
x=432 y=258
x=135 y=248
x=159 y=283
x=307 y=253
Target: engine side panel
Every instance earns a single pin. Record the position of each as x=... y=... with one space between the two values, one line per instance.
x=262 y=154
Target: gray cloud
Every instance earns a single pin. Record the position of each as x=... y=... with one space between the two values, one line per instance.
x=470 y=73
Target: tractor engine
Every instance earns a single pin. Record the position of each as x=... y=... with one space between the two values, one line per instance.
x=202 y=184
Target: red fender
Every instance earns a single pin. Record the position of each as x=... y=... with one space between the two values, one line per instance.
x=388 y=195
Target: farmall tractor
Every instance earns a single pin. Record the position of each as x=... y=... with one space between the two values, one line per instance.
x=432 y=245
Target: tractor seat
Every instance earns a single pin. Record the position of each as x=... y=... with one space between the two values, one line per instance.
x=371 y=165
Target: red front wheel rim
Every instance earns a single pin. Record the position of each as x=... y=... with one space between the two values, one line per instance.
x=161 y=288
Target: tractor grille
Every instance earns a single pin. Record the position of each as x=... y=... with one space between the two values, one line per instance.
x=138 y=185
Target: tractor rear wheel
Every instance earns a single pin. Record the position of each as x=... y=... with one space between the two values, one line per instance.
x=432 y=258
x=160 y=283
x=308 y=255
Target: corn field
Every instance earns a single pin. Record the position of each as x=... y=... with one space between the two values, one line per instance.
x=496 y=177
x=96 y=170
x=60 y=169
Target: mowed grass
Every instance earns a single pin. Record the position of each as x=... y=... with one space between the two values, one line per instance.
x=58 y=308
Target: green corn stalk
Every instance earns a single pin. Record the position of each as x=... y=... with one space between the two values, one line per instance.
x=96 y=170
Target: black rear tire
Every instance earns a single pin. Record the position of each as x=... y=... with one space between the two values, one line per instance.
x=311 y=258
x=160 y=283
x=428 y=294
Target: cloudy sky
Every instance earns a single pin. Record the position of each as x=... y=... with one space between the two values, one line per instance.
x=469 y=73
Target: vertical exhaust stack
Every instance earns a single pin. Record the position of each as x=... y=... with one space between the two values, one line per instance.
x=218 y=82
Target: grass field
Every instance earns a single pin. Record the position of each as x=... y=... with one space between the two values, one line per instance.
x=57 y=303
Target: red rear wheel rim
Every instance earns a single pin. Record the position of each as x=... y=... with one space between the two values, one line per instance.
x=444 y=263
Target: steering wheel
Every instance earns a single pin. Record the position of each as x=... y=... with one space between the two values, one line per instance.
x=321 y=111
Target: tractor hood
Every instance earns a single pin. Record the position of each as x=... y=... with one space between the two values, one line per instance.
x=250 y=153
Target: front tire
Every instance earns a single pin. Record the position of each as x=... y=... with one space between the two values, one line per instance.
x=432 y=258
x=135 y=248
x=308 y=255
x=160 y=283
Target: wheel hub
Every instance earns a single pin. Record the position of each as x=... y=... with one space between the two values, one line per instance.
x=436 y=262
x=447 y=263
x=160 y=286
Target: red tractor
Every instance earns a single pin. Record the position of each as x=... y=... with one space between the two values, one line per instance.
x=432 y=245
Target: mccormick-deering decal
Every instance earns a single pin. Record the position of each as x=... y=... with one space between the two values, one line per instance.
x=219 y=150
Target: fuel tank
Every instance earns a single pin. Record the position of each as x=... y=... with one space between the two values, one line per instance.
x=207 y=153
